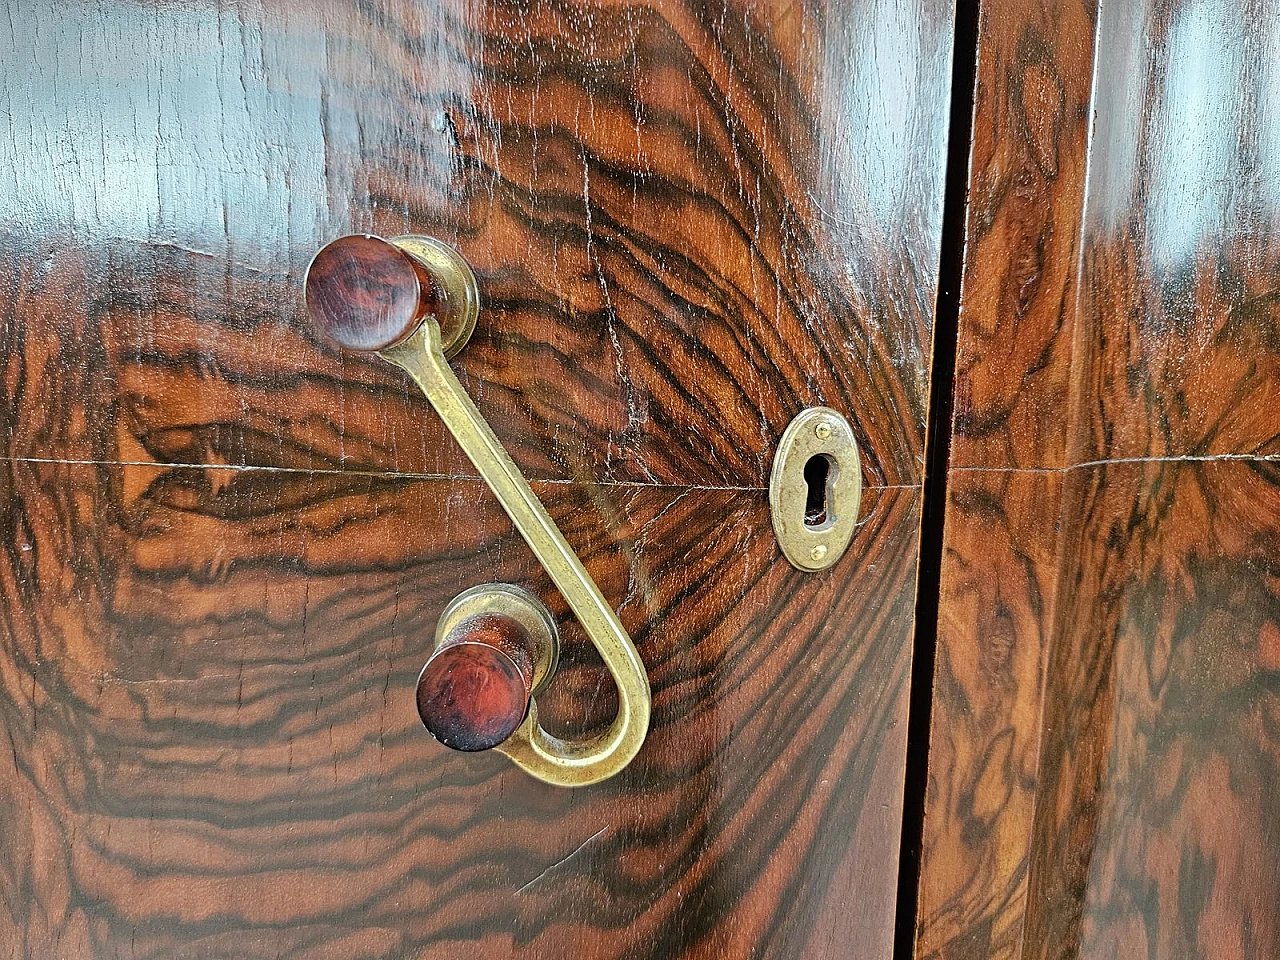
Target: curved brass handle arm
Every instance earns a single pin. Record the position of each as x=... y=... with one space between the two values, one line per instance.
x=556 y=761
x=567 y=763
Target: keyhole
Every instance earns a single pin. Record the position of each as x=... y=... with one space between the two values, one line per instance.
x=817 y=477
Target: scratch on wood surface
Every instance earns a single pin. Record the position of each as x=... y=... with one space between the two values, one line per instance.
x=402 y=475
x=1113 y=461
x=561 y=862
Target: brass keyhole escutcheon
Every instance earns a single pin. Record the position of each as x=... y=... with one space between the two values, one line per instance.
x=815 y=489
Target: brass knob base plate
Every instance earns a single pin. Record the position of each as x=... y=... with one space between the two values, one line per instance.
x=508 y=600
x=456 y=284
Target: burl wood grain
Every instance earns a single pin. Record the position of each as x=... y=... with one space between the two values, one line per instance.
x=1155 y=830
x=214 y=750
x=750 y=195
x=995 y=622
x=226 y=544
x=1103 y=761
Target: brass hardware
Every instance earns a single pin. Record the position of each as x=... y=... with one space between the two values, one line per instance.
x=496 y=646
x=459 y=293
x=422 y=355
x=815 y=489
x=508 y=600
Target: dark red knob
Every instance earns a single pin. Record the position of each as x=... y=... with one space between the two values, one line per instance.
x=365 y=293
x=474 y=691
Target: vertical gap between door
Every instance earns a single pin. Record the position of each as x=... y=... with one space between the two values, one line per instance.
x=937 y=451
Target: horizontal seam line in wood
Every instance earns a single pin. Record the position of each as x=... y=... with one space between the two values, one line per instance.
x=395 y=475
x=1207 y=458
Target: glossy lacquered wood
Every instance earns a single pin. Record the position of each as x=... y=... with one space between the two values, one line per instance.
x=254 y=730
x=1103 y=736
x=728 y=193
x=228 y=542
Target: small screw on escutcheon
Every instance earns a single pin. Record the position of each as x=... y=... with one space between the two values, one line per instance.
x=818 y=553
x=823 y=430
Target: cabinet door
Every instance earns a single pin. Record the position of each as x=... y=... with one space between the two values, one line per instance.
x=226 y=544
x=1105 y=748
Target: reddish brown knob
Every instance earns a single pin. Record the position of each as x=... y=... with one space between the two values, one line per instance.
x=474 y=691
x=365 y=293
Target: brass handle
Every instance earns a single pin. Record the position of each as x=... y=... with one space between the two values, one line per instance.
x=496 y=646
x=390 y=297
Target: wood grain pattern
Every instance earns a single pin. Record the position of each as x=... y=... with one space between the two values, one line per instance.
x=1180 y=344
x=680 y=237
x=1023 y=234
x=1010 y=433
x=226 y=544
x=1154 y=834
x=996 y=606
x=1100 y=790
x=217 y=748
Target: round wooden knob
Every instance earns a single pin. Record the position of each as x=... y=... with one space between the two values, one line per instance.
x=365 y=293
x=474 y=691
